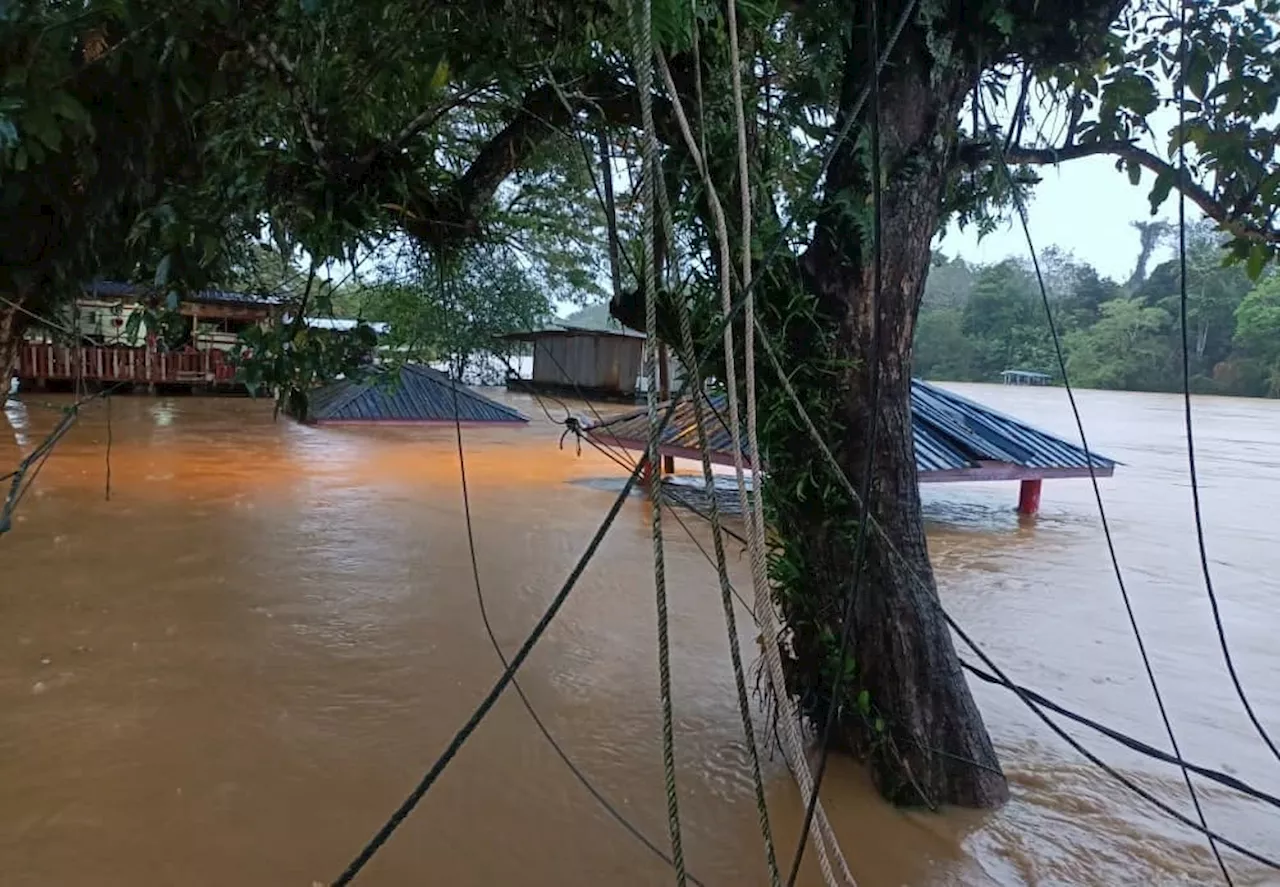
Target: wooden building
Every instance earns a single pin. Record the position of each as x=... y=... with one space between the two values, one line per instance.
x=597 y=363
x=97 y=344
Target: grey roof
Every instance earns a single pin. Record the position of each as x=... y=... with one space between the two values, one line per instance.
x=951 y=434
x=681 y=431
x=117 y=290
x=568 y=329
x=420 y=395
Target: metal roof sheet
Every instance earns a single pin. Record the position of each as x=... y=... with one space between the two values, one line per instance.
x=119 y=290
x=567 y=329
x=951 y=433
x=421 y=394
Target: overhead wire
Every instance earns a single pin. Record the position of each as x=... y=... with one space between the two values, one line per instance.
x=909 y=569
x=1148 y=668
x=1192 y=471
x=1147 y=750
x=891 y=546
x=569 y=763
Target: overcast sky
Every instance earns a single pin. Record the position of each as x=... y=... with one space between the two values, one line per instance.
x=1084 y=207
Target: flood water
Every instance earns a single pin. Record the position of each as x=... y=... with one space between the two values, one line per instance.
x=233 y=670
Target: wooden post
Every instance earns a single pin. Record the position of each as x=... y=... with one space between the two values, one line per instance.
x=664 y=391
x=1029 y=496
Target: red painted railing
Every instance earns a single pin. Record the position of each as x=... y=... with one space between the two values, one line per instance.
x=146 y=365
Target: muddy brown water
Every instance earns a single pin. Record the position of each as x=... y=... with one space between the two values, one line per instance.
x=233 y=670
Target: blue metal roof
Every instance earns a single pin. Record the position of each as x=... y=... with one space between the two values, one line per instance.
x=116 y=290
x=421 y=394
x=951 y=434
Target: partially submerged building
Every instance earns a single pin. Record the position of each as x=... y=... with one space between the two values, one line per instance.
x=416 y=395
x=955 y=440
x=599 y=363
x=103 y=339
x=1025 y=377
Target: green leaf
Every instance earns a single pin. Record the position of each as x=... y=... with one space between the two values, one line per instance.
x=65 y=105
x=1135 y=172
x=42 y=126
x=1160 y=190
x=1258 y=255
x=864 y=702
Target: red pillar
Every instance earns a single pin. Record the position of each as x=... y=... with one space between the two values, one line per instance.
x=1029 y=496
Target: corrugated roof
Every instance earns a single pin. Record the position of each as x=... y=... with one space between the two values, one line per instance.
x=117 y=290
x=951 y=434
x=568 y=329
x=420 y=395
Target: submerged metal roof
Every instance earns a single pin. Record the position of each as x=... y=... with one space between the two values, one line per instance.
x=955 y=439
x=421 y=394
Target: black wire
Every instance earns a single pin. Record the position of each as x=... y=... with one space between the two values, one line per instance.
x=1186 y=397
x=1098 y=762
x=502 y=657
x=1137 y=745
x=860 y=540
x=1102 y=511
x=464 y=733
x=1150 y=751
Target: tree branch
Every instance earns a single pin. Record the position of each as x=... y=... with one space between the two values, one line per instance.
x=268 y=56
x=453 y=214
x=1211 y=206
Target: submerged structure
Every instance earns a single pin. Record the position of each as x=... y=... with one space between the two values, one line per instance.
x=599 y=363
x=1025 y=377
x=420 y=395
x=955 y=440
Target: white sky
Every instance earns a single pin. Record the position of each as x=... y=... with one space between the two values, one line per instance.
x=1084 y=207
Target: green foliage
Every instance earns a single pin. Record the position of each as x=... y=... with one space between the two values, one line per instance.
x=457 y=316
x=1113 y=337
x=290 y=360
x=100 y=169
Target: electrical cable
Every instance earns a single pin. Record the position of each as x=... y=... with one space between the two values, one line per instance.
x=907 y=566
x=1192 y=471
x=1021 y=210
x=1224 y=779
x=582 y=778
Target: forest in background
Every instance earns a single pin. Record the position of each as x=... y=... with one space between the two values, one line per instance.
x=978 y=320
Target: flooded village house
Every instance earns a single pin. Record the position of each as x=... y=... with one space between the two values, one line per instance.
x=105 y=339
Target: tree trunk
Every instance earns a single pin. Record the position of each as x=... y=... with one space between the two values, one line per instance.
x=11 y=329
x=905 y=705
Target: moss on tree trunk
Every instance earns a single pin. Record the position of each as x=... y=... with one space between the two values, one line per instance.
x=904 y=705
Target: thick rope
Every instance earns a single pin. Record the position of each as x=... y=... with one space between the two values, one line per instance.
x=688 y=355
x=789 y=716
x=643 y=39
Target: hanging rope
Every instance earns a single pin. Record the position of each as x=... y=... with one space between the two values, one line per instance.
x=788 y=717
x=643 y=38
x=697 y=397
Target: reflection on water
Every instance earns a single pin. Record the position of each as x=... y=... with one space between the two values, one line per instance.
x=233 y=670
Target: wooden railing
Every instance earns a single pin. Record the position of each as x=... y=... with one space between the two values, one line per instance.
x=145 y=365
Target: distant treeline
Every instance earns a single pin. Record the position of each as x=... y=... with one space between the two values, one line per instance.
x=979 y=320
